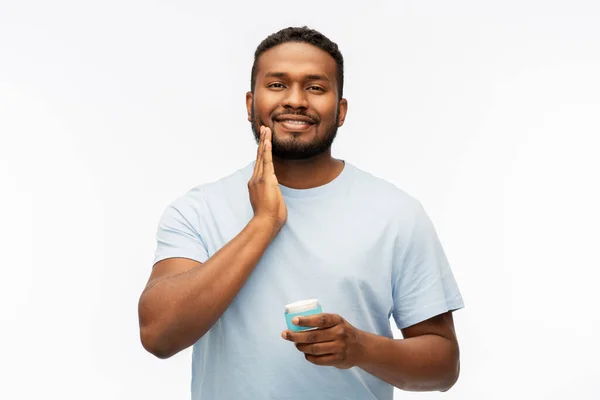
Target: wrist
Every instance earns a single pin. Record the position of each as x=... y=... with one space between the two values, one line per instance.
x=265 y=225
x=363 y=343
x=368 y=345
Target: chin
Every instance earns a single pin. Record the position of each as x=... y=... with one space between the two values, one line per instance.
x=297 y=135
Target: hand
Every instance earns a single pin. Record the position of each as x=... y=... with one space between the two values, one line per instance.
x=336 y=343
x=265 y=195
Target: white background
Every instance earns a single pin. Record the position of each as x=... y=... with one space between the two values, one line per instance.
x=487 y=112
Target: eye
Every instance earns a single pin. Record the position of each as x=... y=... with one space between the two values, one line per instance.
x=276 y=85
x=316 y=88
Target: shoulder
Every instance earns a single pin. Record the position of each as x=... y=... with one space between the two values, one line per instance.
x=196 y=199
x=381 y=194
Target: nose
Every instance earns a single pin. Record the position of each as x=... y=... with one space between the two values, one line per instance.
x=295 y=98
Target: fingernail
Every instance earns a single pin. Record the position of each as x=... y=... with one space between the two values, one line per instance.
x=295 y=320
x=284 y=335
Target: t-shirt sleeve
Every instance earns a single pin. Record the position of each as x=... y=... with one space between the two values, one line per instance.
x=177 y=234
x=423 y=283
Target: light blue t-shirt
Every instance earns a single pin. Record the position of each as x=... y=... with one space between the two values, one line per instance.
x=363 y=247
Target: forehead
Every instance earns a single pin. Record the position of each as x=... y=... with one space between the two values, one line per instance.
x=297 y=59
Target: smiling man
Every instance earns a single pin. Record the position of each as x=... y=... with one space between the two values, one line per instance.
x=294 y=224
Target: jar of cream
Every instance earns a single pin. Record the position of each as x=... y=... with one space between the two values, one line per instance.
x=299 y=309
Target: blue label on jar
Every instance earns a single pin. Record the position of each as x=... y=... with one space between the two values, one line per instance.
x=296 y=328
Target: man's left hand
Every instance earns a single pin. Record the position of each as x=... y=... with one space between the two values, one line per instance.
x=335 y=343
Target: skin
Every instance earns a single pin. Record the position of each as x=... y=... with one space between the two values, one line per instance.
x=184 y=298
x=292 y=79
x=427 y=359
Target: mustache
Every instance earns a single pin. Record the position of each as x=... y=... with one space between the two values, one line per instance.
x=314 y=119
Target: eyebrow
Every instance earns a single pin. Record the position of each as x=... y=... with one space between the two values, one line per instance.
x=310 y=77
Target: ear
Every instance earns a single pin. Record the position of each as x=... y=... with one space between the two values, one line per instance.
x=249 y=105
x=343 y=106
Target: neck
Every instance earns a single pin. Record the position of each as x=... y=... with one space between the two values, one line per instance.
x=309 y=173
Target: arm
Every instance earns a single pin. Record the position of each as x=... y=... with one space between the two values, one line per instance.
x=423 y=289
x=427 y=359
x=184 y=298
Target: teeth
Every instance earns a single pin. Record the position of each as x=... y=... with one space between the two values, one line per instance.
x=290 y=121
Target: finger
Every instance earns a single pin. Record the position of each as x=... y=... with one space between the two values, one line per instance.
x=260 y=140
x=323 y=320
x=269 y=168
x=259 y=152
x=326 y=360
x=318 y=349
x=314 y=336
x=260 y=161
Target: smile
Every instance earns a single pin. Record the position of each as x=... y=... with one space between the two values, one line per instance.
x=293 y=125
x=295 y=122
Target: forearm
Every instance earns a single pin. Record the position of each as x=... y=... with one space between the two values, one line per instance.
x=178 y=310
x=422 y=363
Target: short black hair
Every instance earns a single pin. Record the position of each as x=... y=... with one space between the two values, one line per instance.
x=301 y=35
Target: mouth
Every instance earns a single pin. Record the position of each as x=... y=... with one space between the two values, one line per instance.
x=295 y=123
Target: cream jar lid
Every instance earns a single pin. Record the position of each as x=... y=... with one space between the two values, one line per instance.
x=302 y=305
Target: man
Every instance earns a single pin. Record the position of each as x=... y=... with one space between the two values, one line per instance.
x=297 y=224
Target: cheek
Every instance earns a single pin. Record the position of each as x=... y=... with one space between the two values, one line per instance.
x=265 y=102
x=327 y=110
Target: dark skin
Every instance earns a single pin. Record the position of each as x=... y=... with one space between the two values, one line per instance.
x=296 y=104
x=427 y=359
x=301 y=77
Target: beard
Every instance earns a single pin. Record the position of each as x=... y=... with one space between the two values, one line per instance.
x=295 y=149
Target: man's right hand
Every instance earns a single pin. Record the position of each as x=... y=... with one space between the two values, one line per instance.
x=168 y=308
x=265 y=195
